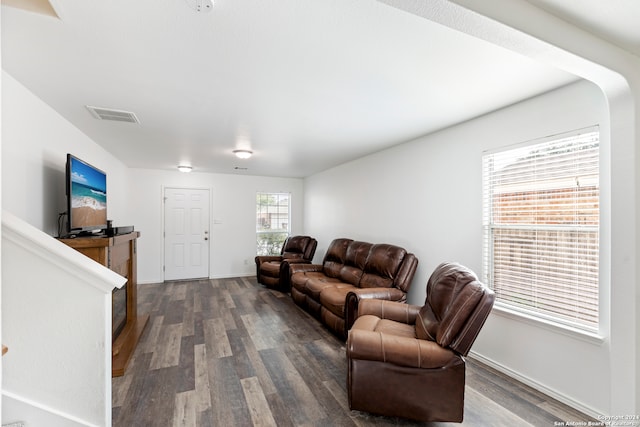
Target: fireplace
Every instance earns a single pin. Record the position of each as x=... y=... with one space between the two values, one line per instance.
x=118 y=253
x=119 y=311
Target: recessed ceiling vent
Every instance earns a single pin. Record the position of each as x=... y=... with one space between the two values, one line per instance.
x=113 y=115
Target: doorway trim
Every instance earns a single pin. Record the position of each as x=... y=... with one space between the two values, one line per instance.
x=163 y=224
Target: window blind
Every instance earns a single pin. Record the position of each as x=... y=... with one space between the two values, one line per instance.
x=541 y=218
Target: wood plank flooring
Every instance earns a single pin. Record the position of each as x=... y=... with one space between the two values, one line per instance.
x=230 y=352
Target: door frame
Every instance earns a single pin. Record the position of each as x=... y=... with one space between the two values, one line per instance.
x=163 y=223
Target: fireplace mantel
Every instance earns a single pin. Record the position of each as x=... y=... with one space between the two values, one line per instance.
x=118 y=253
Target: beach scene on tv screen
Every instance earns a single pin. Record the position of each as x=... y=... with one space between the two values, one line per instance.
x=88 y=196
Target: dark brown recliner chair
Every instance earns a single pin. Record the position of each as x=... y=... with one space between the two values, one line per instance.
x=273 y=270
x=409 y=361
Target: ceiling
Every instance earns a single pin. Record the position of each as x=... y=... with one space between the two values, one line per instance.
x=617 y=21
x=306 y=85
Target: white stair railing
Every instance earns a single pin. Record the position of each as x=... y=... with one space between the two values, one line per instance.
x=56 y=321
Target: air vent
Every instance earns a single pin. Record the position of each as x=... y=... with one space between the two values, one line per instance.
x=113 y=115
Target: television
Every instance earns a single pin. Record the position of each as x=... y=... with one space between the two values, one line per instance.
x=86 y=188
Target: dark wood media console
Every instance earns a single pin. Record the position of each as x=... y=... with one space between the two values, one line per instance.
x=118 y=253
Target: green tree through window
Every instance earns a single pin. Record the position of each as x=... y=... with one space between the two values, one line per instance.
x=272 y=222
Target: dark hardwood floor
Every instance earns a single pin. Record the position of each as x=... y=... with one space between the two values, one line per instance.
x=230 y=352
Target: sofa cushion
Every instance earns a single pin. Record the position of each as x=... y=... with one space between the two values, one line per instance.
x=299 y=280
x=333 y=322
x=453 y=292
x=368 y=342
x=398 y=329
x=315 y=286
x=296 y=245
x=334 y=298
x=335 y=257
x=382 y=266
x=354 y=262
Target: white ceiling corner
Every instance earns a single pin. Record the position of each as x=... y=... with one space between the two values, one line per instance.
x=617 y=21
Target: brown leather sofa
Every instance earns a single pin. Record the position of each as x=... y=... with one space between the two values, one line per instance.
x=409 y=361
x=273 y=270
x=351 y=271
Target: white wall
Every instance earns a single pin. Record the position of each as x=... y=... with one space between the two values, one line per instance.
x=519 y=26
x=426 y=196
x=56 y=315
x=233 y=221
x=35 y=142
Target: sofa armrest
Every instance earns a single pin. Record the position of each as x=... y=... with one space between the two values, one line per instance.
x=391 y=310
x=407 y=271
x=364 y=343
x=285 y=271
x=296 y=261
x=265 y=258
x=389 y=294
x=268 y=258
x=300 y=267
x=355 y=296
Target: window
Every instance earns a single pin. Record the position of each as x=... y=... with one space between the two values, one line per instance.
x=272 y=222
x=541 y=218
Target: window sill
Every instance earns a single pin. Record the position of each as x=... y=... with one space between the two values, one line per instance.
x=590 y=337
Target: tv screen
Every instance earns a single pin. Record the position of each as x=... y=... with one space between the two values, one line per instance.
x=86 y=196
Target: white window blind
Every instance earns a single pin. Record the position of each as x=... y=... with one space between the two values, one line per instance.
x=541 y=218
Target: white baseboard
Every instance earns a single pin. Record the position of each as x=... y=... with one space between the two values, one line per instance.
x=227 y=276
x=579 y=406
x=219 y=276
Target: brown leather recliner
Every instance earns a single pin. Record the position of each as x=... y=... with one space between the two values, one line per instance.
x=409 y=361
x=273 y=270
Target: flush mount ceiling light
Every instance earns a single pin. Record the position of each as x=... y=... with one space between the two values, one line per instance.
x=243 y=154
x=184 y=168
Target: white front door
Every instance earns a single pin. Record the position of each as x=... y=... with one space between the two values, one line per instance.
x=186 y=233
